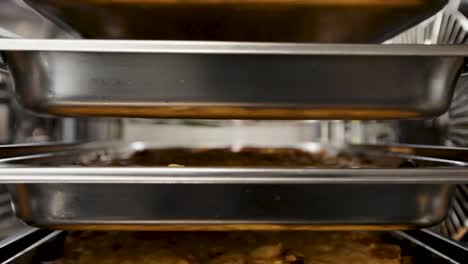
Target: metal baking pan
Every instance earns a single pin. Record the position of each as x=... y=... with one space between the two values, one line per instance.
x=420 y=247
x=358 y=21
x=170 y=79
x=58 y=196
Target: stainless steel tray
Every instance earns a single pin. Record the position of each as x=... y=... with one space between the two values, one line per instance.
x=359 y=21
x=223 y=198
x=170 y=79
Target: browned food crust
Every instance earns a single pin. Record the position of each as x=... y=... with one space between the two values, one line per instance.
x=229 y=248
x=225 y=157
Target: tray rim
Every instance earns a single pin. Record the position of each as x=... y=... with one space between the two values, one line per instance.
x=226 y=47
x=11 y=173
x=138 y=175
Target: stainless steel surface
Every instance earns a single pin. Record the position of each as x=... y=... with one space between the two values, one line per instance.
x=88 y=206
x=9 y=224
x=455 y=226
x=215 y=47
x=19 y=248
x=18 y=20
x=5 y=79
x=463 y=7
x=308 y=21
x=443 y=152
x=448 y=26
x=4 y=75
x=85 y=197
x=16 y=150
x=456 y=121
x=233 y=80
x=231 y=176
x=451 y=251
x=6 y=114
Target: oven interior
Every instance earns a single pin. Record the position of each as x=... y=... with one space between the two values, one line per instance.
x=66 y=163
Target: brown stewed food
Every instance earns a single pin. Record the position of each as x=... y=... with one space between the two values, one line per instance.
x=357 y=247
x=226 y=157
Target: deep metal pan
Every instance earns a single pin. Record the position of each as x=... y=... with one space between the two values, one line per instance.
x=223 y=198
x=179 y=79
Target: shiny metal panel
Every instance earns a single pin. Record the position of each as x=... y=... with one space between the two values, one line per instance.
x=18 y=20
x=81 y=206
x=232 y=80
x=159 y=175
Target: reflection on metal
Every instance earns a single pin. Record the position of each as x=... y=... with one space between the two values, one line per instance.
x=18 y=20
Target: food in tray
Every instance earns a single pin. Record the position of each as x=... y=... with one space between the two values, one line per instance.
x=248 y=156
x=225 y=157
x=329 y=21
x=230 y=248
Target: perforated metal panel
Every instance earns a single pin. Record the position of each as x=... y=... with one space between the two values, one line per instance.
x=449 y=26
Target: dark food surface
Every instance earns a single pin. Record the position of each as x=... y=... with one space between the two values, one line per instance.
x=358 y=21
x=230 y=248
x=250 y=156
